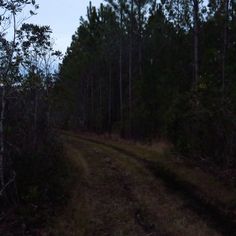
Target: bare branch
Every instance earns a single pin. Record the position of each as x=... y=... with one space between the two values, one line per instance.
x=12 y=180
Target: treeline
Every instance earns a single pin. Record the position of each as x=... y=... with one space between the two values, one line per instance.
x=151 y=69
x=30 y=165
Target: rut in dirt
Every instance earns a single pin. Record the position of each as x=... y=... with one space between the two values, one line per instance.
x=210 y=212
x=121 y=193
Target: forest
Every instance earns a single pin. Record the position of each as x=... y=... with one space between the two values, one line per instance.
x=155 y=70
x=138 y=74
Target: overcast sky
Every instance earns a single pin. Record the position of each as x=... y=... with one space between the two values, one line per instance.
x=63 y=16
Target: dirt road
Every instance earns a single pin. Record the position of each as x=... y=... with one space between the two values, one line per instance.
x=117 y=194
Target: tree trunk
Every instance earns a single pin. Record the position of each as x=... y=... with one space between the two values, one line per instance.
x=131 y=67
x=48 y=112
x=2 y=148
x=196 y=40
x=109 y=100
x=121 y=72
x=100 y=115
x=140 y=42
x=225 y=43
x=35 y=129
x=92 y=113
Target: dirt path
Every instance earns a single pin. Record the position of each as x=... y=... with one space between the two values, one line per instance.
x=116 y=194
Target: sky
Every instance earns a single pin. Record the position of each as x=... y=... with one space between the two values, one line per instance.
x=63 y=16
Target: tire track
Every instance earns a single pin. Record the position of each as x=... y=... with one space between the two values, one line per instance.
x=120 y=186
x=211 y=212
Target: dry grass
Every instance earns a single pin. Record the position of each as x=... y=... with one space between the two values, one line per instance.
x=116 y=194
x=73 y=218
x=206 y=184
x=159 y=207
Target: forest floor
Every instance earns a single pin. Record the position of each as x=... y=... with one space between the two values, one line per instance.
x=123 y=189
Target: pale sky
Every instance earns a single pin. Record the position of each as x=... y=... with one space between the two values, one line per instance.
x=63 y=16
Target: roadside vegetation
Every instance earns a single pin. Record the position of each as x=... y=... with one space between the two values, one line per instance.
x=34 y=176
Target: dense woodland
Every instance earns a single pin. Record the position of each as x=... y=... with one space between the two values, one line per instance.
x=144 y=70
x=155 y=70
x=30 y=164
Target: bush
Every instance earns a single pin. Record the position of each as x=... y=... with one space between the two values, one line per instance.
x=203 y=129
x=43 y=181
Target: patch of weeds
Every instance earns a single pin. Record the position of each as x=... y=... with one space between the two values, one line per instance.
x=43 y=182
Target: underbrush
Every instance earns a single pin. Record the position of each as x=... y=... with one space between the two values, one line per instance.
x=43 y=182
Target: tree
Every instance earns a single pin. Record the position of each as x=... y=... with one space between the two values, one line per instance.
x=8 y=21
x=38 y=57
x=196 y=40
